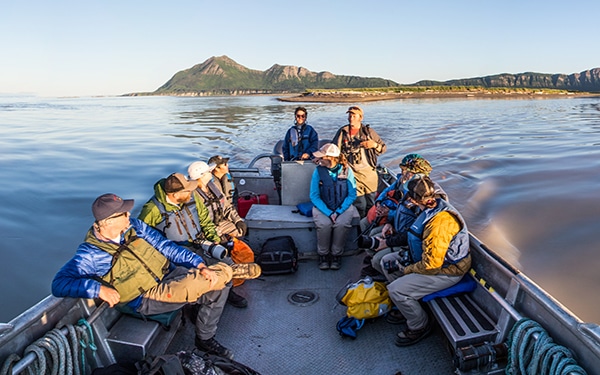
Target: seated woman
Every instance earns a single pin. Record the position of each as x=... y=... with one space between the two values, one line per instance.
x=332 y=191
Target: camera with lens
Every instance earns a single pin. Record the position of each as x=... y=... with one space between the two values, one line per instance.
x=213 y=250
x=366 y=242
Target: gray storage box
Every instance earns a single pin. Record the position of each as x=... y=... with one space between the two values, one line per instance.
x=266 y=221
x=295 y=181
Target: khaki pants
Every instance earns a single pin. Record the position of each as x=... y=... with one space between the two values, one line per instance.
x=187 y=286
x=406 y=291
x=331 y=237
x=367 y=181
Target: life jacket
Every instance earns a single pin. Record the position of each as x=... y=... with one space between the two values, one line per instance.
x=136 y=265
x=298 y=142
x=180 y=226
x=333 y=192
x=228 y=188
x=390 y=201
x=459 y=245
x=214 y=201
x=406 y=214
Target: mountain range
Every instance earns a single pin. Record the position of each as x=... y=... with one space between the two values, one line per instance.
x=223 y=76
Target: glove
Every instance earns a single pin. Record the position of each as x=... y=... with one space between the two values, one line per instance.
x=242 y=227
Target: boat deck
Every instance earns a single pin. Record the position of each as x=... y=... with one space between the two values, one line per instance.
x=274 y=335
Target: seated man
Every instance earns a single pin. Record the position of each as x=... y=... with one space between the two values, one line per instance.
x=439 y=242
x=393 y=233
x=222 y=178
x=229 y=223
x=177 y=210
x=220 y=210
x=123 y=261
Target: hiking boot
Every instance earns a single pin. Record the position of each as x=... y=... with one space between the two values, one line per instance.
x=395 y=317
x=336 y=263
x=369 y=270
x=236 y=300
x=323 y=262
x=410 y=337
x=245 y=270
x=212 y=346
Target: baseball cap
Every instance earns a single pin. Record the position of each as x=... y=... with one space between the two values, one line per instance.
x=420 y=188
x=177 y=182
x=218 y=160
x=328 y=149
x=109 y=204
x=355 y=109
x=198 y=168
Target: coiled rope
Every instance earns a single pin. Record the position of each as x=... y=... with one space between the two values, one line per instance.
x=529 y=354
x=57 y=351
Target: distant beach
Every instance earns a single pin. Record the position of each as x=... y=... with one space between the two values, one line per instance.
x=360 y=96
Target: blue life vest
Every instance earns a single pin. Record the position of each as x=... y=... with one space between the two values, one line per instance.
x=181 y=226
x=459 y=245
x=405 y=216
x=333 y=192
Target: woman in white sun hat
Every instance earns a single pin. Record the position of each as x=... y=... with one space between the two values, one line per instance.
x=332 y=191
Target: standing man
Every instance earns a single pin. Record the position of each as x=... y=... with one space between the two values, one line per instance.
x=301 y=140
x=127 y=263
x=361 y=146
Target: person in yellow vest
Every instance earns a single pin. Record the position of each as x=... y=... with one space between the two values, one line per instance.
x=132 y=266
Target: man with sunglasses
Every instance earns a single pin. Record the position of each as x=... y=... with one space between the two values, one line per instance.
x=130 y=265
x=301 y=140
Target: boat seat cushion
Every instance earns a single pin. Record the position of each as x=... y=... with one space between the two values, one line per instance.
x=465 y=285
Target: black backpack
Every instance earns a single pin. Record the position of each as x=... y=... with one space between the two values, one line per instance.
x=278 y=255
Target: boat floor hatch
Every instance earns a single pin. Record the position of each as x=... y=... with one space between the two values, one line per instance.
x=276 y=335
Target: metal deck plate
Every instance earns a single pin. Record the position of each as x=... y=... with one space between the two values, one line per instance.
x=274 y=336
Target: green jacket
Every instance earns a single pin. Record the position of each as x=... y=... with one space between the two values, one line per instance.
x=152 y=215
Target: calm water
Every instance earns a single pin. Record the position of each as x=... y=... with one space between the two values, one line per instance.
x=525 y=173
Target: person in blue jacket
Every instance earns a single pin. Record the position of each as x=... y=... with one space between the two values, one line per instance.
x=130 y=265
x=301 y=140
x=332 y=192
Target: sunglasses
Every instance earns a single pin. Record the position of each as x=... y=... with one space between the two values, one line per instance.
x=301 y=116
x=118 y=216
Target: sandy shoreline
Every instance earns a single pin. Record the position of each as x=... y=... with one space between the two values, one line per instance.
x=342 y=97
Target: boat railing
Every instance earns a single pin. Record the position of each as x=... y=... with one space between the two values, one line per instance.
x=30 y=357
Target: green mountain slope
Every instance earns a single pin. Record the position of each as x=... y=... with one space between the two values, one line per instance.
x=222 y=75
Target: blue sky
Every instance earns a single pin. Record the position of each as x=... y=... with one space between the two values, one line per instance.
x=71 y=48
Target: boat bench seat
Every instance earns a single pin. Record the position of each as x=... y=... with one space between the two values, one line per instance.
x=132 y=339
x=462 y=320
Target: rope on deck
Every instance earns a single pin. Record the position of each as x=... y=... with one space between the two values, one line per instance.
x=537 y=355
x=57 y=352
